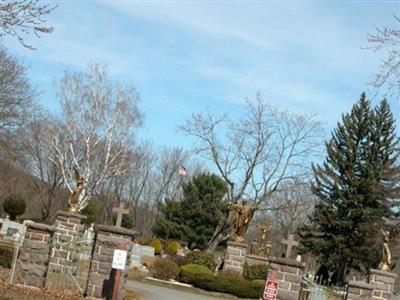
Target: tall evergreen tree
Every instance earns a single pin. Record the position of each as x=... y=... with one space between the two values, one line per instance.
x=355 y=185
x=195 y=217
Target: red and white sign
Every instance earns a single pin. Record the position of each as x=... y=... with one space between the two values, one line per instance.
x=270 y=290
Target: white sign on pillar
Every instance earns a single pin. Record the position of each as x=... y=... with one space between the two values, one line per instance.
x=119 y=259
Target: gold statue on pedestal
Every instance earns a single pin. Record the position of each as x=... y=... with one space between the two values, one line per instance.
x=74 y=197
x=386 y=255
x=244 y=214
x=265 y=246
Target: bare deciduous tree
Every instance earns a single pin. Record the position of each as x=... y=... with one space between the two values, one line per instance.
x=33 y=157
x=99 y=119
x=292 y=204
x=16 y=93
x=259 y=152
x=19 y=18
x=387 y=40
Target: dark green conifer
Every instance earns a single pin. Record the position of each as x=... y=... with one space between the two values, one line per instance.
x=357 y=187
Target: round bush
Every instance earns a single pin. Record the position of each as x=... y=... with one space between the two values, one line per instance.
x=165 y=269
x=255 y=272
x=173 y=247
x=14 y=206
x=156 y=244
x=188 y=272
x=202 y=258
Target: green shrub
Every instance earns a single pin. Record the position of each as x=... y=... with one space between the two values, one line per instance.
x=6 y=255
x=91 y=213
x=180 y=260
x=255 y=272
x=188 y=272
x=229 y=284
x=202 y=258
x=14 y=206
x=156 y=244
x=164 y=268
x=173 y=247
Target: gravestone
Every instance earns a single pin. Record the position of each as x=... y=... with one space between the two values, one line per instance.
x=11 y=228
x=138 y=252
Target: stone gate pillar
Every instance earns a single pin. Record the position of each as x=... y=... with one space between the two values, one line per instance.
x=235 y=257
x=69 y=230
x=383 y=284
x=289 y=274
x=359 y=290
x=108 y=239
x=34 y=255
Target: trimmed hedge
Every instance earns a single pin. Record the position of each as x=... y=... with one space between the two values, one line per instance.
x=6 y=255
x=188 y=272
x=255 y=272
x=202 y=258
x=229 y=284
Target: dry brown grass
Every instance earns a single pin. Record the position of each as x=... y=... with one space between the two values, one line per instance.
x=12 y=292
x=131 y=294
x=136 y=274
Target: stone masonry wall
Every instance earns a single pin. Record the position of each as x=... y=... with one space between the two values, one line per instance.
x=383 y=284
x=235 y=257
x=108 y=239
x=357 y=290
x=34 y=255
x=289 y=274
x=254 y=260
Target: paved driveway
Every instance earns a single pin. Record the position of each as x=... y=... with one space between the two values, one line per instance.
x=155 y=292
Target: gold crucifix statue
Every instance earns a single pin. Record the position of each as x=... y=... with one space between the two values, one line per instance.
x=74 y=197
x=386 y=255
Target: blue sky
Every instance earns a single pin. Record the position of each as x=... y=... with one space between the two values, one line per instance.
x=186 y=56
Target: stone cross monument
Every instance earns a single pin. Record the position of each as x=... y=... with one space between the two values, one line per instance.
x=290 y=243
x=121 y=210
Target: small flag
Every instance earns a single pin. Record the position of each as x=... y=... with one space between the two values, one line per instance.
x=182 y=171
